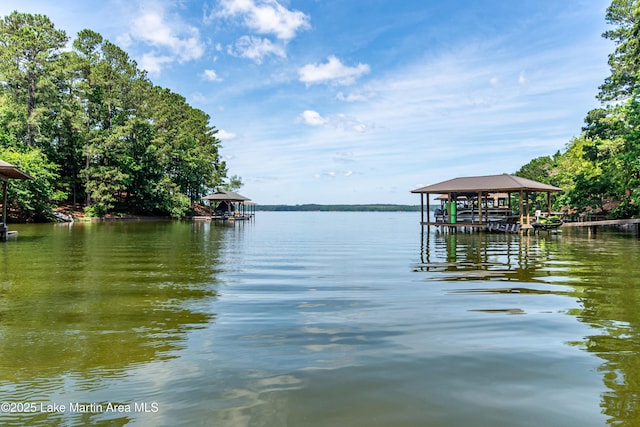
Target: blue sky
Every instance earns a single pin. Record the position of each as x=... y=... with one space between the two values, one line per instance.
x=361 y=101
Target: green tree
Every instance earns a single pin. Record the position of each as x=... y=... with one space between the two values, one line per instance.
x=187 y=144
x=579 y=177
x=31 y=200
x=105 y=133
x=109 y=75
x=542 y=169
x=601 y=168
x=234 y=184
x=625 y=60
x=28 y=45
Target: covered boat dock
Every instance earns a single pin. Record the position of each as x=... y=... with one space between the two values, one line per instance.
x=228 y=205
x=7 y=172
x=480 y=212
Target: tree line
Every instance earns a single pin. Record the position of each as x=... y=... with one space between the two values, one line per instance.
x=93 y=130
x=599 y=170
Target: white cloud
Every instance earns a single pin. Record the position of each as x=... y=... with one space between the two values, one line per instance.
x=266 y=17
x=170 y=39
x=350 y=123
x=333 y=174
x=355 y=96
x=522 y=79
x=211 y=75
x=333 y=71
x=198 y=97
x=154 y=63
x=183 y=41
x=124 y=40
x=344 y=157
x=338 y=121
x=313 y=118
x=255 y=48
x=223 y=135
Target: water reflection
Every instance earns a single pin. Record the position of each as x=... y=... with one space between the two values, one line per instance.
x=610 y=297
x=598 y=271
x=320 y=319
x=494 y=257
x=83 y=304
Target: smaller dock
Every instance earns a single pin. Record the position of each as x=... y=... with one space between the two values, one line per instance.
x=7 y=172
x=229 y=206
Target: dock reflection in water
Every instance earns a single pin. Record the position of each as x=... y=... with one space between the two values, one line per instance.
x=597 y=271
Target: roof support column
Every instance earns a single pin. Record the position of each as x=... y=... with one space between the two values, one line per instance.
x=4 y=202
x=520 y=209
x=486 y=208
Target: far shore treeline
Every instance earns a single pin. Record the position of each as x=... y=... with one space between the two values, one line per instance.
x=311 y=207
x=98 y=135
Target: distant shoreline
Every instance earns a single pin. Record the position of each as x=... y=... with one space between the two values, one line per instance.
x=312 y=207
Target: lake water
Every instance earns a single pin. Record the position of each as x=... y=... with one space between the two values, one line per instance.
x=317 y=319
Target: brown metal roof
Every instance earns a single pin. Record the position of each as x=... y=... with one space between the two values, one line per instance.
x=490 y=196
x=10 y=171
x=226 y=196
x=492 y=183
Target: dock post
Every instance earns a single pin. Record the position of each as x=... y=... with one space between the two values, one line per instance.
x=3 y=227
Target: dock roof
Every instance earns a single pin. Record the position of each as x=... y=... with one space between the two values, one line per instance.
x=226 y=196
x=10 y=171
x=492 y=183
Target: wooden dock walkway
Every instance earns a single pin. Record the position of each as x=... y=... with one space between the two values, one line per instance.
x=604 y=222
x=527 y=228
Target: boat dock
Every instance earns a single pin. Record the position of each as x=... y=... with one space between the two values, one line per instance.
x=229 y=206
x=7 y=172
x=485 y=203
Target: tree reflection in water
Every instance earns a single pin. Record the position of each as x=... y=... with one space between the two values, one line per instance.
x=599 y=271
x=93 y=300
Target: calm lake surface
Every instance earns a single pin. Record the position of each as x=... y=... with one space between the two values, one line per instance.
x=317 y=319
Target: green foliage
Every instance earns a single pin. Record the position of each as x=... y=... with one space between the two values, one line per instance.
x=173 y=201
x=625 y=60
x=600 y=169
x=612 y=170
x=31 y=200
x=107 y=135
x=235 y=183
x=542 y=169
x=29 y=46
x=94 y=211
